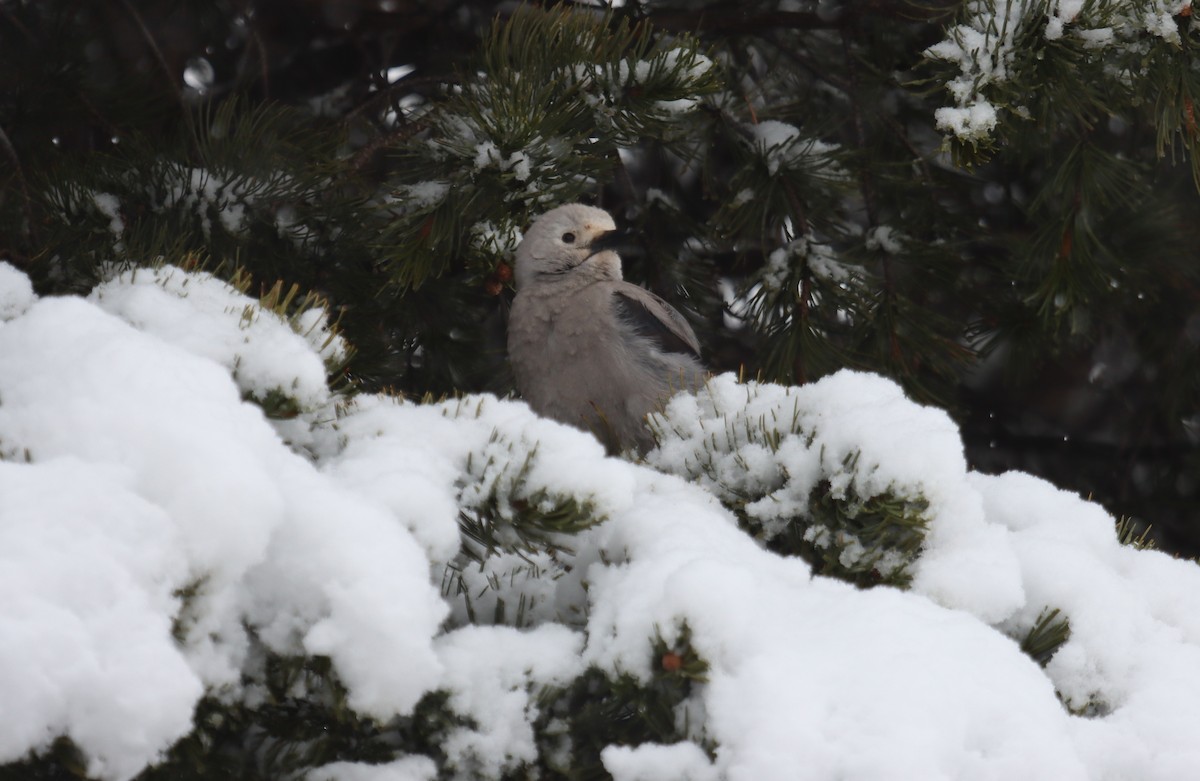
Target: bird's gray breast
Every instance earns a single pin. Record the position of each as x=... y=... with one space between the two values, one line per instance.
x=580 y=358
x=561 y=343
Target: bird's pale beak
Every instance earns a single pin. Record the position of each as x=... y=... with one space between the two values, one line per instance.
x=611 y=240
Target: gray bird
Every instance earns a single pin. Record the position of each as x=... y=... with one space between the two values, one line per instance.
x=588 y=348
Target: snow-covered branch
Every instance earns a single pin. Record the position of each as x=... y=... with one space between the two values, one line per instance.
x=159 y=540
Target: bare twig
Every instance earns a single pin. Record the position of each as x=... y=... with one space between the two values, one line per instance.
x=263 y=65
x=27 y=206
x=364 y=155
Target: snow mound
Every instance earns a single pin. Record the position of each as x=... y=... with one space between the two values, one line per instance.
x=208 y=317
x=856 y=437
x=157 y=517
x=158 y=537
x=810 y=677
x=406 y=769
x=16 y=292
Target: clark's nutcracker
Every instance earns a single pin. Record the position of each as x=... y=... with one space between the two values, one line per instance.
x=587 y=348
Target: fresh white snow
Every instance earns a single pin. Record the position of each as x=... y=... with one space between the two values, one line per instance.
x=783 y=146
x=134 y=473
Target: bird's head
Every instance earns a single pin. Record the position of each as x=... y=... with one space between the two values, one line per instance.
x=571 y=239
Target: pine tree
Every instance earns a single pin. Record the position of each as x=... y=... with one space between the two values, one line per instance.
x=991 y=202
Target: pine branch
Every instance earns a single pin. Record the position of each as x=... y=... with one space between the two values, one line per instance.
x=1046 y=636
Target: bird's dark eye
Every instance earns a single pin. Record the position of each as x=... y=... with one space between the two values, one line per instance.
x=568 y=238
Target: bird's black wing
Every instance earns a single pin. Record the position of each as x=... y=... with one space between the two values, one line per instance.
x=655 y=319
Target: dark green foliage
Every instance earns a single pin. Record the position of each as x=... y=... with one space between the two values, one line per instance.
x=1049 y=632
x=185 y=617
x=1046 y=636
x=515 y=533
x=865 y=542
x=63 y=761
x=196 y=194
x=538 y=533
x=1066 y=84
x=538 y=124
x=536 y=516
x=599 y=710
x=1130 y=532
x=303 y=722
x=1083 y=260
